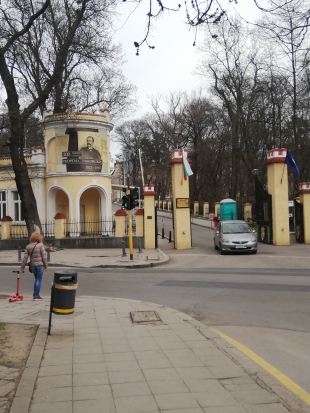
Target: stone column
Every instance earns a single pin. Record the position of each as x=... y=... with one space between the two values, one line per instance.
x=139 y=214
x=278 y=189
x=247 y=211
x=6 y=223
x=196 y=208
x=120 y=223
x=205 y=209
x=304 y=197
x=181 y=206
x=149 y=217
x=217 y=209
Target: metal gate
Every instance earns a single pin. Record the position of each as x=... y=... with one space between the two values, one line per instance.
x=299 y=221
x=263 y=207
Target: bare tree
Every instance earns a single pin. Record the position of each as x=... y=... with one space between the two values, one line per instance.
x=43 y=51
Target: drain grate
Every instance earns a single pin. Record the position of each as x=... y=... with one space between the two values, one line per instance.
x=144 y=316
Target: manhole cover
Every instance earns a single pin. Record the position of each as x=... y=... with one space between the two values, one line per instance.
x=144 y=316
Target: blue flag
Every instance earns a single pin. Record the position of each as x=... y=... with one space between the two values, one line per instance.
x=289 y=160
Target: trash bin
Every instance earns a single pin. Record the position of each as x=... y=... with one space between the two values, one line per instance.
x=65 y=285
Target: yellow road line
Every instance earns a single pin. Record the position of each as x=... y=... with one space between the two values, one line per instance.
x=290 y=384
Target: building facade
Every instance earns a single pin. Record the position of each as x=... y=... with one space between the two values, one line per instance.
x=70 y=174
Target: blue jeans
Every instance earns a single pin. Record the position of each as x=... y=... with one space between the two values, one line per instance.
x=38 y=274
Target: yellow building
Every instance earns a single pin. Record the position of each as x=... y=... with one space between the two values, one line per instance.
x=70 y=174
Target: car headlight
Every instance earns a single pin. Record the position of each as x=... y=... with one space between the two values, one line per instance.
x=224 y=239
x=253 y=238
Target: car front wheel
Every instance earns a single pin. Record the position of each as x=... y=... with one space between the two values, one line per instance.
x=221 y=250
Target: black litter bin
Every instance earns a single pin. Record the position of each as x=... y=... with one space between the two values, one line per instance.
x=65 y=285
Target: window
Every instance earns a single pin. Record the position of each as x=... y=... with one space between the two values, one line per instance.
x=18 y=212
x=2 y=204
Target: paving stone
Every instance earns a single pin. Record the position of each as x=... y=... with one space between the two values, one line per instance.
x=52 y=407
x=176 y=401
x=167 y=386
x=136 y=404
x=105 y=405
x=89 y=379
x=93 y=392
x=130 y=389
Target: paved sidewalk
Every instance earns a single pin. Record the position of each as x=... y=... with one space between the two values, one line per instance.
x=98 y=360
x=108 y=257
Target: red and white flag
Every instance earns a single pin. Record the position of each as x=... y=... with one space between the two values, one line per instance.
x=186 y=166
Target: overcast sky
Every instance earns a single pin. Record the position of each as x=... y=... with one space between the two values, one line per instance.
x=170 y=66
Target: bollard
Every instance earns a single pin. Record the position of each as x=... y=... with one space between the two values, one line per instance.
x=123 y=247
x=48 y=255
x=169 y=236
x=19 y=253
x=139 y=243
x=163 y=233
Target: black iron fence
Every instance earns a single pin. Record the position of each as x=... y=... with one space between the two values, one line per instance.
x=19 y=231
x=90 y=227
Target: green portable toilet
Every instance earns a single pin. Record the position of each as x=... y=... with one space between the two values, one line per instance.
x=228 y=209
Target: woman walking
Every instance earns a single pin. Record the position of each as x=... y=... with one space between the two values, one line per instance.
x=38 y=262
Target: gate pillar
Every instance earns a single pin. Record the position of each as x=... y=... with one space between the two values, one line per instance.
x=181 y=205
x=149 y=217
x=278 y=187
x=304 y=198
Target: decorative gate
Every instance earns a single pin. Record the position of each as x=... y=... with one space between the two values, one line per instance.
x=299 y=221
x=263 y=208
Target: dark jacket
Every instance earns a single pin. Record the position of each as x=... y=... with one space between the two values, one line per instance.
x=38 y=256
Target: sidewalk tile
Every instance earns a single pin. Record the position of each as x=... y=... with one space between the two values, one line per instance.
x=105 y=405
x=195 y=372
x=193 y=410
x=122 y=365
x=52 y=407
x=90 y=379
x=55 y=370
x=168 y=386
x=126 y=356
x=88 y=358
x=258 y=396
x=176 y=401
x=186 y=362
x=92 y=392
x=125 y=376
x=162 y=374
x=130 y=389
x=88 y=368
x=54 y=381
x=266 y=408
x=215 y=399
x=204 y=385
x=48 y=395
x=122 y=348
x=136 y=404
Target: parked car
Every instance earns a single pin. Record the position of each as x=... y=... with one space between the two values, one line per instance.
x=235 y=236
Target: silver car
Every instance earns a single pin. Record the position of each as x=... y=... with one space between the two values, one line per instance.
x=235 y=236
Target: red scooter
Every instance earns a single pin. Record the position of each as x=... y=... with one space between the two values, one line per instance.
x=17 y=296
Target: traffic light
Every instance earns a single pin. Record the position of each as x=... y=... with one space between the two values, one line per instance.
x=134 y=194
x=126 y=199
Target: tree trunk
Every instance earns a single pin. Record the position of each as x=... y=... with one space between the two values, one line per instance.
x=19 y=165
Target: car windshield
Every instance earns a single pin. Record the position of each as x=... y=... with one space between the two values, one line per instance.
x=238 y=228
